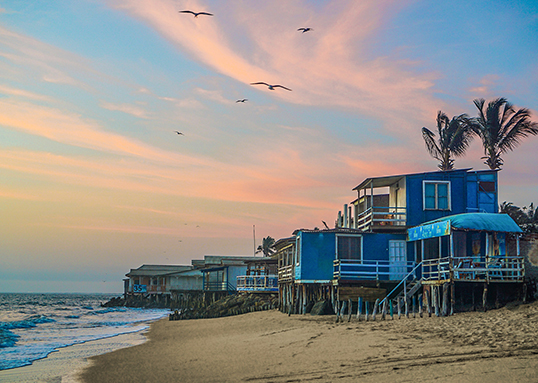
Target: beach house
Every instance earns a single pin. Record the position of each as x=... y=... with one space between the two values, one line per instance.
x=260 y=277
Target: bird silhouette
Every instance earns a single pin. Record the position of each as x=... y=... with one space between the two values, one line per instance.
x=181 y=134
x=242 y=100
x=271 y=87
x=325 y=223
x=196 y=14
x=305 y=29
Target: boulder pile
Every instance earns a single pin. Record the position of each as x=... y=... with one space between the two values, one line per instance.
x=231 y=305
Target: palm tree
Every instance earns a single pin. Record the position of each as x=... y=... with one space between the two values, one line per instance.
x=454 y=138
x=267 y=247
x=501 y=128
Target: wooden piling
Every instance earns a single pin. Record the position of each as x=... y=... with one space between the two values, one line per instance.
x=359 y=308
x=435 y=298
x=366 y=310
x=414 y=306
x=399 y=308
x=452 y=297
x=420 y=304
x=349 y=312
x=375 y=309
x=445 y=300
x=384 y=310
x=485 y=297
x=391 y=308
x=427 y=297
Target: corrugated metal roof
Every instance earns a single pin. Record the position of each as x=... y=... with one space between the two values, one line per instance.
x=481 y=222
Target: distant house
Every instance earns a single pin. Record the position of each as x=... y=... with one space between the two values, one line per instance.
x=220 y=272
x=261 y=276
x=150 y=279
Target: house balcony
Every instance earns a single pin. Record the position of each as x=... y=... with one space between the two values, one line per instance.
x=285 y=273
x=357 y=270
x=474 y=269
x=257 y=283
x=380 y=217
x=219 y=286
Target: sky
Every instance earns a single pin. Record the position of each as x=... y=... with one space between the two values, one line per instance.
x=94 y=179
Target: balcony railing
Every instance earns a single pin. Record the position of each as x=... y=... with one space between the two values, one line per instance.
x=285 y=273
x=494 y=269
x=381 y=216
x=257 y=283
x=219 y=286
x=355 y=269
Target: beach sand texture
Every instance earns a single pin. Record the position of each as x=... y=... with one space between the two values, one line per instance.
x=495 y=346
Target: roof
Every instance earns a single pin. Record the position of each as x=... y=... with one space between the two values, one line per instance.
x=155 y=270
x=481 y=222
x=378 y=182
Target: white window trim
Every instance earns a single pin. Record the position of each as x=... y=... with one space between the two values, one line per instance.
x=436 y=198
x=349 y=235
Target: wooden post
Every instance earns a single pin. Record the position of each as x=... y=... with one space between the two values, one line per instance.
x=452 y=297
x=436 y=300
x=414 y=306
x=384 y=310
x=524 y=292
x=343 y=310
x=399 y=308
x=445 y=299
x=359 y=308
x=375 y=309
x=349 y=313
x=391 y=308
x=485 y=297
x=427 y=296
x=366 y=310
x=420 y=304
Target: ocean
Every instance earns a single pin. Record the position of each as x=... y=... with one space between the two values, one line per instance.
x=32 y=326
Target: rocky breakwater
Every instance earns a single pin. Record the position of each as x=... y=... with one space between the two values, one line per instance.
x=139 y=301
x=231 y=305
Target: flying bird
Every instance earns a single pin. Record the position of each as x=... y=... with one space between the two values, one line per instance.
x=242 y=100
x=271 y=87
x=305 y=29
x=196 y=14
x=181 y=134
x=325 y=224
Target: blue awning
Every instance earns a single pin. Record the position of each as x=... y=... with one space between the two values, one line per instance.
x=469 y=221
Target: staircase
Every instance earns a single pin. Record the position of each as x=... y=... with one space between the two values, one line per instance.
x=405 y=290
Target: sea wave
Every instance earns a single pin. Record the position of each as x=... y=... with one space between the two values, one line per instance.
x=31 y=321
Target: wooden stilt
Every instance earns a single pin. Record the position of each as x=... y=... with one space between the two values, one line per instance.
x=366 y=313
x=376 y=304
x=359 y=308
x=524 y=292
x=343 y=310
x=445 y=300
x=406 y=302
x=398 y=304
x=337 y=309
x=391 y=308
x=384 y=310
x=436 y=300
x=427 y=295
x=349 y=312
x=420 y=304
x=414 y=306
x=485 y=297
x=452 y=297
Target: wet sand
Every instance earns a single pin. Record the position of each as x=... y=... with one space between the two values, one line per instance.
x=495 y=346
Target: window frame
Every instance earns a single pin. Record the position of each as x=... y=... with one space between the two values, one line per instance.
x=360 y=237
x=436 y=196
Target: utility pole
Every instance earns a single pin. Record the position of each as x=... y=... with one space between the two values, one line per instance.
x=254 y=236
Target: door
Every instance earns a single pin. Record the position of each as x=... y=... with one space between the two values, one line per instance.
x=397 y=260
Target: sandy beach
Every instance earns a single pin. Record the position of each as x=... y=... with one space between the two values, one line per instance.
x=495 y=346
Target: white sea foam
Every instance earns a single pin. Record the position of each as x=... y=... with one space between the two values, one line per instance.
x=34 y=325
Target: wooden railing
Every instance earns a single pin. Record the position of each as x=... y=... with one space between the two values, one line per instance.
x=495 y=269
x=257 y=283
x=285 y=273
x=381 y=216
x=355 y=269
x=219 y=286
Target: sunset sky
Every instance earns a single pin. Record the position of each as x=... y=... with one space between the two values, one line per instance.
x=95 y=181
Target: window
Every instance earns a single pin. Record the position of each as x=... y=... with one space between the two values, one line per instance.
x=349 y=247
x=436 y=195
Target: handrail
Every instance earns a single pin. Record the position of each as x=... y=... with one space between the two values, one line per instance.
x=402 y=281
x=357 y=269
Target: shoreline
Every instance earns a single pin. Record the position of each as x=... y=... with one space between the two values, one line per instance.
x=269 y=346
x=65 y=364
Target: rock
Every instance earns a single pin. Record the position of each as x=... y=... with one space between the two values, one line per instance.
x=322 y=308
